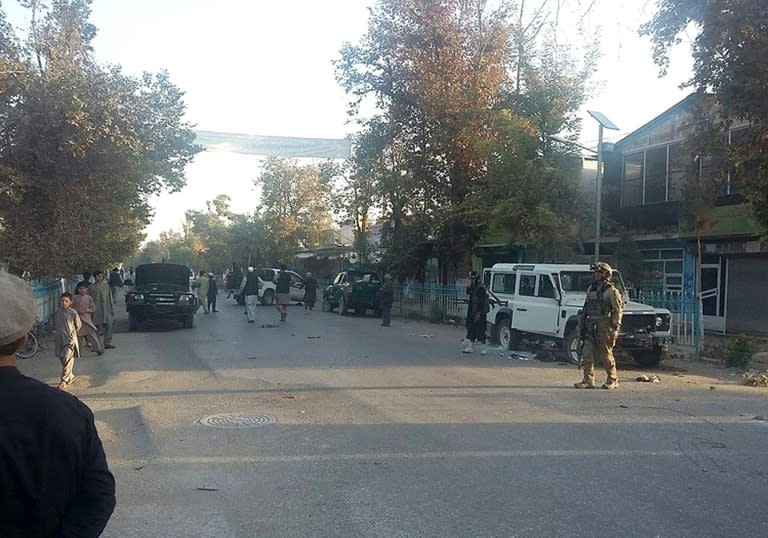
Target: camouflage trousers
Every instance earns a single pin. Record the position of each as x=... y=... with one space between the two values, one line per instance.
x=599 y=348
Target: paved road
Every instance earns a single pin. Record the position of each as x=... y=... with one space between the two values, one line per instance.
x=392 y=432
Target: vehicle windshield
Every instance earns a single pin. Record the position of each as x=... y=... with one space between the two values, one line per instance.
x=363 y=277
x=579 y=281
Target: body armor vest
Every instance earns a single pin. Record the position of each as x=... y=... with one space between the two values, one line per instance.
x=596 y=307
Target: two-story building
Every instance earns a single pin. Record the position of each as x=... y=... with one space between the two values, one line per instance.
x=645 y=190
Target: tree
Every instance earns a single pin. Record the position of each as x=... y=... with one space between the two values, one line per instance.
x=293 y=207
x=208 y=232
x=434 y=69
x=729 y=48
x=82 y=148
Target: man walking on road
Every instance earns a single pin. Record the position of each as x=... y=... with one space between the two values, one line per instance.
x=54 y=478
x=250 y=292
x=282 y=291
x=477 y=311
x=105 y=309
x=600 y=321
x=202 y=291
x=386 y=298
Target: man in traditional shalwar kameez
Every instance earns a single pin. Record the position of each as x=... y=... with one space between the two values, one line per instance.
x=105 y=311
x=66 y=323
x=85 y=307
x=202 y=291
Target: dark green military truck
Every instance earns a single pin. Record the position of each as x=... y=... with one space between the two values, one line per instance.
x=353 y=289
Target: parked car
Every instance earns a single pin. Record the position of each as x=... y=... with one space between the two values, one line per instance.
x=161 y=291
x=544 y=300
x=267 y=287
x=353 y=289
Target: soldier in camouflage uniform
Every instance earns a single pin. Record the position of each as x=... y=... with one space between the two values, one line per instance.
x=600 y=322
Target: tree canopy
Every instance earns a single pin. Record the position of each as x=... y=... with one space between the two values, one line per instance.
x=729 y=47
x=82 y=146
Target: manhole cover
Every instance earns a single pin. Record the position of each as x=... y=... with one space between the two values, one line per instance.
x=236 y=420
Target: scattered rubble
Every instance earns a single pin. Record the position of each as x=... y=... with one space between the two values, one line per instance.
x=759 y=379
x=648 y=378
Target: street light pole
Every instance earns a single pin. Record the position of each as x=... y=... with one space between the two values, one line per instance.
x=608 y=124
x=599 y=183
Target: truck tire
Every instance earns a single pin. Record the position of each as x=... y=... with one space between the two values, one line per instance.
x=570 y=347
x=342 y=306
x=188 y=321
x=133 y=322
x=325 y=306
x=508 y=338
x=648 y=358
x=268 y=297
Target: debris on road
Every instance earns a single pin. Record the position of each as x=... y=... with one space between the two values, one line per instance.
x=139 y=468
x=206 y=488
x=759 y=379
x=312 y=337
x=521 y=356
x=269 y=326
x=648 y=379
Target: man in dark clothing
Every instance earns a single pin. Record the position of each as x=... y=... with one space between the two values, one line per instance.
x=250 y=290
x=213 y=292
x=283 y=291
x=54 y=478
x=310 y=292
x=115 y=282
x=386 y=298
x=477 y=310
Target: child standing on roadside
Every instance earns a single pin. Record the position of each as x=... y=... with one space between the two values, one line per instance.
x=66 y=323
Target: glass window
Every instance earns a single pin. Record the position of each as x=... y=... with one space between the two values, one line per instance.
x=504 y=283
x=650 y=254
x=663 y=132
x=633 y=180
x=673 y=267
x=527 y=285
x=575 y=281
x=546 y=288
x=671 y=254
x=656 y=175
x=678 y=161
x=674 y=281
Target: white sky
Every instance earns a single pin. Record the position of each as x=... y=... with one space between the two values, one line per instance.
x=264 y=67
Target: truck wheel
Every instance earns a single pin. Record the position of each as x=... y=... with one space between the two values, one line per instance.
x=325 y=305
x=268 y=297
x=188 y=321
x=570 y=347
x=133 y=322
x=503 y=333
x=342 y=306
x=648 y=358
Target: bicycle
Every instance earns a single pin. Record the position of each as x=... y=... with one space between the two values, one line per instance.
x=34 y=337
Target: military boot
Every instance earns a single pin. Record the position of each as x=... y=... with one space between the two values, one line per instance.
x=611 y=384
x=585 y=384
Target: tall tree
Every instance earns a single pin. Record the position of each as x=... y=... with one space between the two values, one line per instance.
x=293 y=207
x=81 y=147
x=729 y=47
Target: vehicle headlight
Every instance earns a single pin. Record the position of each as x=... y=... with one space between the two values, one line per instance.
x=186 y=299
x=136 y=297
x=659 y=321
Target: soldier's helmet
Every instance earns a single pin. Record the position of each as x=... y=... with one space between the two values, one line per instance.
x=602 y=267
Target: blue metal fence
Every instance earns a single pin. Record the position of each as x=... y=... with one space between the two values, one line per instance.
x=47 y=295
x=433 y=301
x=686 y=326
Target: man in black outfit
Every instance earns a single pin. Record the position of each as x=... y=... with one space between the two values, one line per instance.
x=54 y=479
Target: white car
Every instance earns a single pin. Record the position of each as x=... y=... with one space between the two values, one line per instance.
x=544 y=300
x=267 y=293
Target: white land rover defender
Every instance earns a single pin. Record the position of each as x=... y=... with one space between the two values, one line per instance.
x=544 y=300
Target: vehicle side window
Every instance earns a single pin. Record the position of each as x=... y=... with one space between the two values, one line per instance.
x=339 y=278
x=504 y=283
x=266 y=274
x=546 y=289
x=527 y=285
x=296 y=281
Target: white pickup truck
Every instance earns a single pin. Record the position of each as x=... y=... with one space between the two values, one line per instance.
x=543 y=301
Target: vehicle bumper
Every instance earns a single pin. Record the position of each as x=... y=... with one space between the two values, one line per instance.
x=148 y=311
x=644 y=341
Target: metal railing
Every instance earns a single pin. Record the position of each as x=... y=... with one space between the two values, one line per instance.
x=47 y=295
x=432 y=301
x=686 y=327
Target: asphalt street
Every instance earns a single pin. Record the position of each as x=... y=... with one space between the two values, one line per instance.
x=359 y=430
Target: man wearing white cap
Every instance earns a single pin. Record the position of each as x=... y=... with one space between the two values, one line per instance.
x=54 y=478
x=251 y=293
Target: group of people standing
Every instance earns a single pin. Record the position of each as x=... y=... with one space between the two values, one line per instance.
x=207 y=291
x=88 y=314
